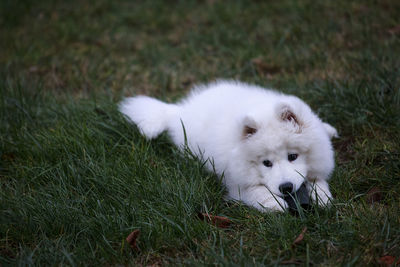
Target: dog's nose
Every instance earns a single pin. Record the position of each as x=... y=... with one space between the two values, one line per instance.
x=286 y=188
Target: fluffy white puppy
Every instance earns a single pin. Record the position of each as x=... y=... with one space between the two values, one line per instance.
x=265 y=143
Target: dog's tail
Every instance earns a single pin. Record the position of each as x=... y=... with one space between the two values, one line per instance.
x=151 y=116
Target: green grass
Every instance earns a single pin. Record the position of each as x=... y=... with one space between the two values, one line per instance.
x=76 y=178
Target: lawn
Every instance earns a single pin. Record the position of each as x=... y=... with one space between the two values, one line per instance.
x=76 y=178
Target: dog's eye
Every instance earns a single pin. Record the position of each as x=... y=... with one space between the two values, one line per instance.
x=292 y=157
x=267 y=163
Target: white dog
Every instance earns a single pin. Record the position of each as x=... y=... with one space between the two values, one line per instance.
x=265 y=143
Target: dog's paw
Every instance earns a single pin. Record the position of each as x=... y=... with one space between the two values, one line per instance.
x=322 y=198
x=274 y=204
x=320 y=193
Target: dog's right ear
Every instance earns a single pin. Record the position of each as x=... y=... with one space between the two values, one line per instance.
x=249 y=127
x=330 y=130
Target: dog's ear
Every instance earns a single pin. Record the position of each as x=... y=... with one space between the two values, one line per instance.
x=249 y=127
x=330 y=130
x=287 y=115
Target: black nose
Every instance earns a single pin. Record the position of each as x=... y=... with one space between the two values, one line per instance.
x=286 y=188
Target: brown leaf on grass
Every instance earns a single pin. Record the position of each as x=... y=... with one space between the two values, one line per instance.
x=374 y=195
x=8 y=156
x=263 y=67
x=395 y=30
x=300 y=237
x=388 y=260
x=219 y=221
x=131 y=239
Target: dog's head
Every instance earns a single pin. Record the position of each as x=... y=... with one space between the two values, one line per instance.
x=283 y=146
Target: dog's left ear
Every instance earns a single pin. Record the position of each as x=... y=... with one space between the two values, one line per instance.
x=330 y=130
x=249 y=127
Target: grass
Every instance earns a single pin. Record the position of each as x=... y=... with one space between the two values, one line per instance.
x=76 y=178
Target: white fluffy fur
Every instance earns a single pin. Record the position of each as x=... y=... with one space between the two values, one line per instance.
x=215 y=118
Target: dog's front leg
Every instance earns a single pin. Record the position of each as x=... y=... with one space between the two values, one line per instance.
x=262 y=199
x=319 y=191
